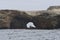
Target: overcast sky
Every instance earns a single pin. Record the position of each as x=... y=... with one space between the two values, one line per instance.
x=27 y=4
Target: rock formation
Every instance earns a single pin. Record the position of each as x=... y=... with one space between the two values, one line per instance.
x=13 y=19
x=44 y=19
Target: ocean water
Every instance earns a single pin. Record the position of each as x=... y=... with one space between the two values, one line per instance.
x=29 y=34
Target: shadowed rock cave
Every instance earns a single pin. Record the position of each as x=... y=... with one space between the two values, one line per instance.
x=19 y=22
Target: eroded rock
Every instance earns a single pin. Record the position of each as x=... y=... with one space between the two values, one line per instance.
x=44 y=19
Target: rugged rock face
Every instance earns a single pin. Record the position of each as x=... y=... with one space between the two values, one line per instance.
x=20 y=21
x=45 y=19
x=13 y=19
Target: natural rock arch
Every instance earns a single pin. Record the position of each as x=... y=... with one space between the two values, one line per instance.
x=20 y=21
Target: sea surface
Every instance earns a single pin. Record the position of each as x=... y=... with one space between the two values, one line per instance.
x=29 y=34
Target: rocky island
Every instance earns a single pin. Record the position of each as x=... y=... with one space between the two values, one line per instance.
x=42 y=19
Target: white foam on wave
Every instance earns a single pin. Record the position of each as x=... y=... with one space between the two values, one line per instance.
x=30 y=24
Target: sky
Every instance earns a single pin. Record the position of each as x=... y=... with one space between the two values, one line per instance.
x=28 y=4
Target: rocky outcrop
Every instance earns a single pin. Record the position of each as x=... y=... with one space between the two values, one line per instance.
x=13 y=19
x=44 y=19
x=54 y=8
